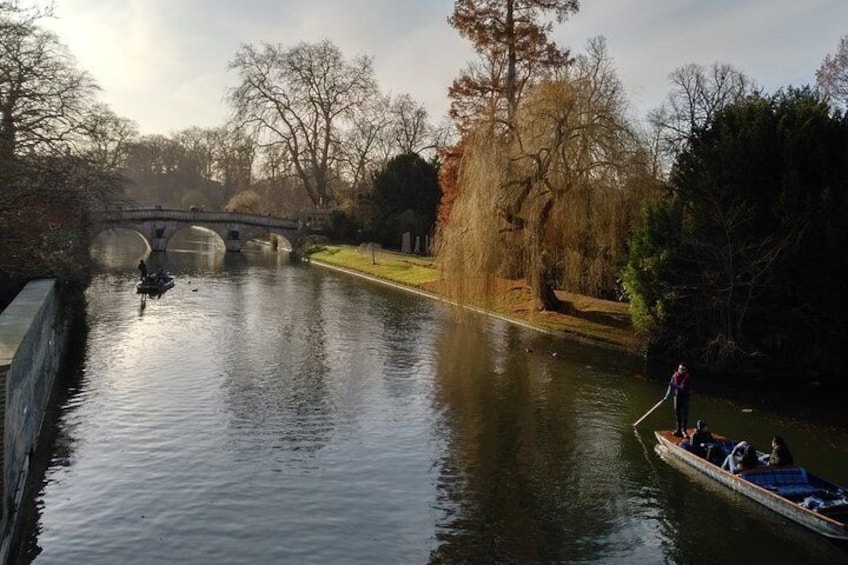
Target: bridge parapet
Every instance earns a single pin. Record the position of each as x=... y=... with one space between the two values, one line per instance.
x=157 y=225
x=189 y=216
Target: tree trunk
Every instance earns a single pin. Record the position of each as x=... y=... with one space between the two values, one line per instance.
x=540 y=286
x=511 y=60
x=7 y=135
x=546 y=298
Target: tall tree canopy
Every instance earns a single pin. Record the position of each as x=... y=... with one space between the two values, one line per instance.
x=44 y=97
x=697 y=94
x=511 y=39
x=58 y=152
x=744 y=265
x=107 y=137
x=300 y=98
x=384 y=128
x=539 y=184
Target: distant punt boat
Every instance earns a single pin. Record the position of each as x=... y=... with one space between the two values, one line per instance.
x=156 y=283
x=791 y=491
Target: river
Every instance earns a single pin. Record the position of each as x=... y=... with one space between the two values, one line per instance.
x=264 y=412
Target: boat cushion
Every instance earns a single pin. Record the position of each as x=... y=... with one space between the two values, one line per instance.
x=785 y=481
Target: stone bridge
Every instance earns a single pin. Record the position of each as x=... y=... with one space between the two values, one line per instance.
x=157 y=226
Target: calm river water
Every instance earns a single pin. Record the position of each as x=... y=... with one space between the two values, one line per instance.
x=262 y=412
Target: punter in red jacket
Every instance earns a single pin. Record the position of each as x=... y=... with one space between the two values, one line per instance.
x=680 y=387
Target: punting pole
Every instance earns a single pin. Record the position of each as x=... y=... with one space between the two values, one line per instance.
x=648 y=413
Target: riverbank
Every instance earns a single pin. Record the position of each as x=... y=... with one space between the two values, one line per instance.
x=600 y=322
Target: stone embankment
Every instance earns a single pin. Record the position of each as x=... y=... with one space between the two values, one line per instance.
x=33 y=335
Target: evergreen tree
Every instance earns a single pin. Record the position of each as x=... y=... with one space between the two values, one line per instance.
x=405 y=199
x=743 y=265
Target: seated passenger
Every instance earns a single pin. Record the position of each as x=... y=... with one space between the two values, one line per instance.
x=749 y=458
x=742 y=458
x=780 y=455
x=702 y=439
x=702 y=433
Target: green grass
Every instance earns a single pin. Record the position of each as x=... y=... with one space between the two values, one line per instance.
x=403 y=269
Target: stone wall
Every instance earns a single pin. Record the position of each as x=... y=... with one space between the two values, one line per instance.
x=33 y=334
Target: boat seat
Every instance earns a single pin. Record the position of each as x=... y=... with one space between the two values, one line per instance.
x=797 y=491
x=789 y=482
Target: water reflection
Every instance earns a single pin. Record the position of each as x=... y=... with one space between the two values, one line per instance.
x=542 y=465
x=275 y=373
x=514 y=483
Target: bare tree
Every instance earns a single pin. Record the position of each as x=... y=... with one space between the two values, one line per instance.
x=832 y=75
x=697 y=94
x=367 y=144
x=14 y=13
x=384 y=128
x=197 y=148
x=43 y=96
x=411 y=130
x=274 y=163
x=234 y=155
x=300 y=98
x=106 y=137
x=278 y=184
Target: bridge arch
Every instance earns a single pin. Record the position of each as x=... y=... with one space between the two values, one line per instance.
x=182 y=228
x=157 y=226
x=280 y=241
x=106 y=230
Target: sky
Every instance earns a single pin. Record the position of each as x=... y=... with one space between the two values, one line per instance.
x=163 y=63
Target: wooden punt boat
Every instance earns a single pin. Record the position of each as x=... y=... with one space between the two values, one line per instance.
x=156 y=284
x=790 y=491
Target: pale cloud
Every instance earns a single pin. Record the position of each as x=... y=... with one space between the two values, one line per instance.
x=164 y=63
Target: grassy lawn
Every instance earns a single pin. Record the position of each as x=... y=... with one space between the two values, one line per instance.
x=601 y=320
x=400 y=268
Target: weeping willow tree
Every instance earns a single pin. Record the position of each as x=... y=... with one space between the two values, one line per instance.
x=549 y=196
